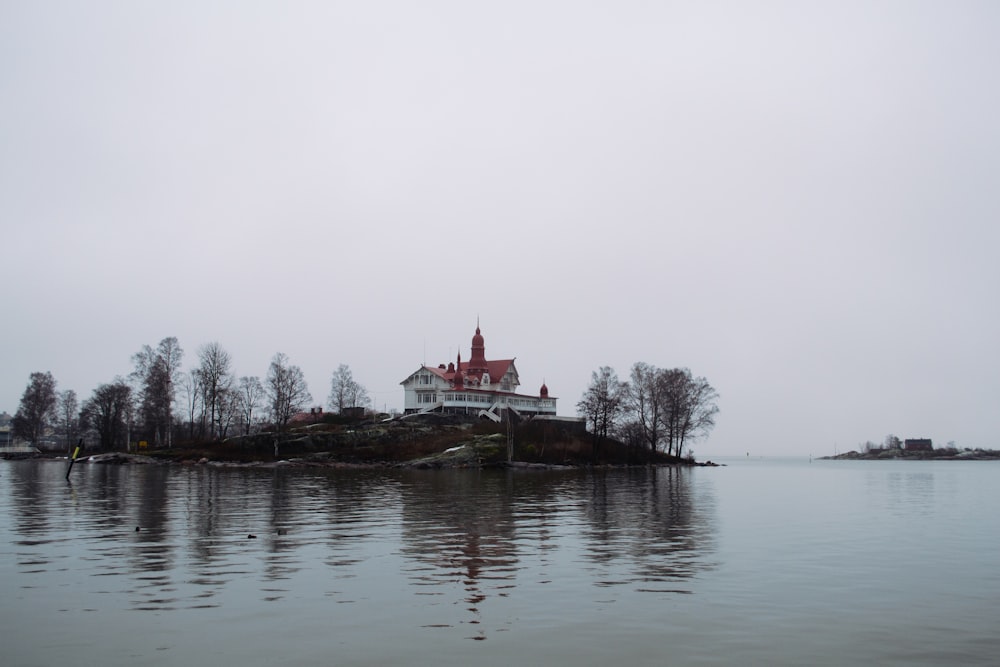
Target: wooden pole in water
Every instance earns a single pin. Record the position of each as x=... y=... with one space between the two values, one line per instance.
x=73 y=460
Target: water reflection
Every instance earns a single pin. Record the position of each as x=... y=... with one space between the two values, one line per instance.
x=459 y=528
x=30 y=510
x=464 y=543
x=653 y=521
x=150 y=551
x=492 y=532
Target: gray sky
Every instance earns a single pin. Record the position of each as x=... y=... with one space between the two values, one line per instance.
x=797 y=200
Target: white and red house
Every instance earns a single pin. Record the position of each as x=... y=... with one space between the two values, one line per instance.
x=476 y=387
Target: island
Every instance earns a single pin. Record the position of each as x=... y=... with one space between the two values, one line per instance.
x=916 y=454
x=423 y=440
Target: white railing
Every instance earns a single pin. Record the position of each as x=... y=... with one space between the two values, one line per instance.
x=525 y=404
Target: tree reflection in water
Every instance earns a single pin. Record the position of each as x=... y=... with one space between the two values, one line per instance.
x=650 y=518
x=447 y=547
x=641 y=528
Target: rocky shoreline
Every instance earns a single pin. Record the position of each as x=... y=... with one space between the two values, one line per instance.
x=443 y=461
x=428 y=442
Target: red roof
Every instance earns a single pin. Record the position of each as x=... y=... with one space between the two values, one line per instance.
x=496 y=368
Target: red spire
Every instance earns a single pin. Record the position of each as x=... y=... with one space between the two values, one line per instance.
x=477 y=363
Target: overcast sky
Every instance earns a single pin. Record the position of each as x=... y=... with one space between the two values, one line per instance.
x=797 y=200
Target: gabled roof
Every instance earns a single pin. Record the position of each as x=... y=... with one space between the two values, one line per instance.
x=474 y=369
x=497 y=368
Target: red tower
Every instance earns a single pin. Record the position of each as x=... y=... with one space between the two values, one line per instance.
x=477 y=363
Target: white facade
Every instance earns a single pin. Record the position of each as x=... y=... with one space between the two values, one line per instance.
x=477 y=387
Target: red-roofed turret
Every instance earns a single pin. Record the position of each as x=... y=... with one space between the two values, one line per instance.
x=477 y=363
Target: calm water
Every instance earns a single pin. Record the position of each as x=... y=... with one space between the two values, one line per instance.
x=761 y=562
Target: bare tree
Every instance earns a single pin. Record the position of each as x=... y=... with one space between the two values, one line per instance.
x=154 y=389
x=191 y=387
x=669 y=408
x=108 y=412
x=690 y=407
x=156 y=373
x=602 y=404
x=68 y=418
x=170 y=354
x=287 y=391
x=37 y=410
x=645 y=403
x=215 y=378
x=229 y=410
x=345 y=392
x=251 y=399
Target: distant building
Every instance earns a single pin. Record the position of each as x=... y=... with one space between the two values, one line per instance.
x=314 y=415
x=478 y=387
x=917 y=445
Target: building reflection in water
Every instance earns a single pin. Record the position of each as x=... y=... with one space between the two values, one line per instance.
x=463 y=542
x=642 y=528
x=458 y=528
